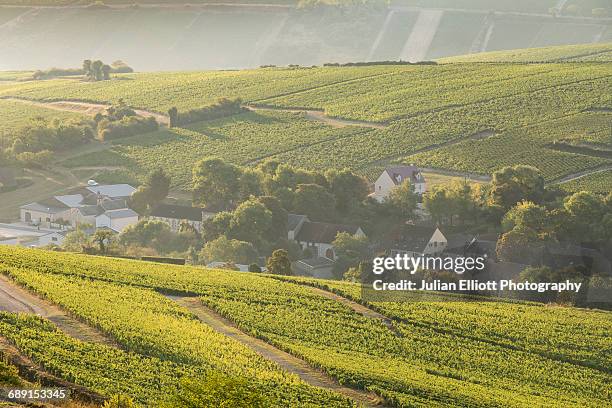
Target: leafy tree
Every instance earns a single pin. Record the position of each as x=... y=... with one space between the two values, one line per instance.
x=103 y=238
x=402 y=200
x=226 y=250
x=216 y=184
x=314 y=201
x=87 y=68
x=525 y=214
x=511 y=185
x=277 y=231
x=348 y=188
x=217 y=391
x=250 y=184
x=251 y=222
x=148 y=233
x=279 y=263
x=96 y=70
x=587 y=211
x=173 y=116
x=254 y=268
x=518 y=245
x=350 y=251
x=437 y=203
x=152 y=192
x=75 y=241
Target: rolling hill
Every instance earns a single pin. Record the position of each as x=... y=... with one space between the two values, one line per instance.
x=166 y=319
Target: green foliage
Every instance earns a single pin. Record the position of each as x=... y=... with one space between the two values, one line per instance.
x=119 y=401
x=279 y=263
x=217 y=391
x=350 y=250
x=509 y=361
x=228 y=250
x=314 y=201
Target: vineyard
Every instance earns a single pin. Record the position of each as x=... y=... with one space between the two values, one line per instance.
x=432 y=115
x=439 y=353
x=600 y=182
x=15 y=115
x=582 y=52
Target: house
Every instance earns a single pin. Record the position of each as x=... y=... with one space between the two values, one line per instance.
x=45 y=212
x=318 y=236
x=417 y=241
x=82 y=205
x=55 y=238
x=392 y=177
x=117 y=220
x=173 y=215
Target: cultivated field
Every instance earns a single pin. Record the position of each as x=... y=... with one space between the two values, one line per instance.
x=433 y=354
x=464 y=117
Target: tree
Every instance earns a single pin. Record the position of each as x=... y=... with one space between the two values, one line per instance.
x=251 y=222
x=75 y=241
x=279 y=263
x=96 y=70
x=226 y=250
x=314 y=201
x=173 y=117
x=216 y=184
x=402 y=200
x=348 y=188
x=525 y=214
x=277 y=232
x=254 y=268
x=350 y=251
x=518 y=245
x=586 y=211
x=511 y=185
x=217 y=390
x=106 y=70
x=250 y=184
x=87 y=68
x=148 y=233
x=158 y=183
x=437 y=203
x=103 y=238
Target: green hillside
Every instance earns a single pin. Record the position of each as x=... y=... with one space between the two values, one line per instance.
x=502 y=360
x=582 y=52
x=433 y=115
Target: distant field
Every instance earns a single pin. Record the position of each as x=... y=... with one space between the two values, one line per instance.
x=467 y=117
x=14 y=115
x=583 y=52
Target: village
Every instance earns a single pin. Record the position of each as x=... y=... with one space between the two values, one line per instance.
x=106 y=210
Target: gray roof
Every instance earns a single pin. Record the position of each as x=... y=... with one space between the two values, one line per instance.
x=108 y=205
x=112 y=190
x=293 y=220
x=48 y=206
x=89 y=210
x=121 y=213
x=400 y=173
x=322 y=232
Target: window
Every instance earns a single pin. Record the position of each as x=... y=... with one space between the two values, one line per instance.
x=53 y=238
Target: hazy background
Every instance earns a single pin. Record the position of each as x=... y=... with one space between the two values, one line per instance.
x=179 y=37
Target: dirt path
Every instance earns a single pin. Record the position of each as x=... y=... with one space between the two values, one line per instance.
x=287 y=361
x=584 y=173
x=87 y=108
x=422 y=35
x=357 y=307
x=14 y=298
x=320 y=116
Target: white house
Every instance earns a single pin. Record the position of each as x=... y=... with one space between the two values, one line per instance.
x=419 y=241
x=318 y=236
x=117 y=220
x=56 y=238
x=392 y=177
x=44 y=213
x=174 y=215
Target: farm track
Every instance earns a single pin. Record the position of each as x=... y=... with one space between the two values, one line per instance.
x=357 y=307
x=285 y=360
x=86 y=108
x=321 y=117
x=581 y=174
x=16 y=299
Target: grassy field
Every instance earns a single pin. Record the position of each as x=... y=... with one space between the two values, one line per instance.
x=501 y=360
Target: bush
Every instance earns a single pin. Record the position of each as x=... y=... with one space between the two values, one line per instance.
x=127 y=126
x=224 y=107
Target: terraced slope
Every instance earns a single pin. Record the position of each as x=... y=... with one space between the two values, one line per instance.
x=500 y=361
